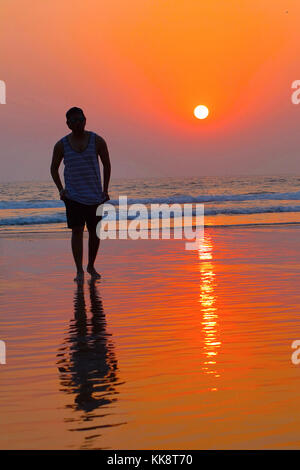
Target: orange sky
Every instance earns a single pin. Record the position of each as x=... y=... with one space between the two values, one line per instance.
x=138 y=68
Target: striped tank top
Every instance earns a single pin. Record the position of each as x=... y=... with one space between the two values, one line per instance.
x=82 y=173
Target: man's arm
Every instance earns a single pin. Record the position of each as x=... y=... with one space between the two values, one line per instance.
x=58 y=155
x=102 y=151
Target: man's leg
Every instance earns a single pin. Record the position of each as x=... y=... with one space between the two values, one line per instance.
x=94 y=243
x=77 y=249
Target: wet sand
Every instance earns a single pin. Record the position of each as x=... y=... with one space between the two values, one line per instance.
x=171 y=349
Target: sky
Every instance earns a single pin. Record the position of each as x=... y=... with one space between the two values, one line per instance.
x=138 y=68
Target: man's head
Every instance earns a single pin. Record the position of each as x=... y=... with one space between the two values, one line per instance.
x=75 y=119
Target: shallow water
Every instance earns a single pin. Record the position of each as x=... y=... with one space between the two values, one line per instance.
x=172 y=349
x=240 y=200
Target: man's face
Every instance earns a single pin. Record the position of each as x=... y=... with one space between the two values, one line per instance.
x=76 y=122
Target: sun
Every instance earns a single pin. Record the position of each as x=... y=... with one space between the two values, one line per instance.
x=201 y=112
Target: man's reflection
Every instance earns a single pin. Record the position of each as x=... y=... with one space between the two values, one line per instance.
x=87 y=362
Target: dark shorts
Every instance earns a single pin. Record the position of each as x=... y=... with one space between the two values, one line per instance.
x=80 y=214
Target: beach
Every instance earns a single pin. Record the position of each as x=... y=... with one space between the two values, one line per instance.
x=170 y=349
x=149 y=124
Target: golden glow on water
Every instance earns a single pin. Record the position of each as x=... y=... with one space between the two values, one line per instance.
x=209 y=312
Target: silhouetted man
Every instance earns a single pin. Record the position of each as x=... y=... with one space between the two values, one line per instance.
x=83 y=189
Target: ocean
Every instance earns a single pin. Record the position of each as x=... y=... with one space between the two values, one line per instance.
x=172 y=348
x=244 y=200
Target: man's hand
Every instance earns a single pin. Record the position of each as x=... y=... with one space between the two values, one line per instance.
x=106 y=197
x=102 y=151
x=58 y=155
x=62 y=194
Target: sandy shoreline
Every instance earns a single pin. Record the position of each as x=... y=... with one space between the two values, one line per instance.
x=65 y=233
x=170 y=349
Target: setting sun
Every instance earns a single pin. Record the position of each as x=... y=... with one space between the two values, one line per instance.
x=201 y=112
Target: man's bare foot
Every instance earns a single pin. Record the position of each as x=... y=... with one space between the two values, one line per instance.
x=92 y=271
x=79 y=277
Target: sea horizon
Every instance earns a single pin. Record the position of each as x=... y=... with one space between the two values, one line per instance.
x=228 y=200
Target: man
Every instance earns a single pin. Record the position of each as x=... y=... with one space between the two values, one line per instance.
x=83 y=190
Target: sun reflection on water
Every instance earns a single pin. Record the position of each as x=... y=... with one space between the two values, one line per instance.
x=209 y=311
